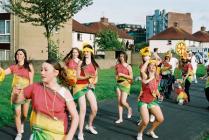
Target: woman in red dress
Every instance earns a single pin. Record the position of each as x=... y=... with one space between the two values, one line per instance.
x=148 y=99
x=71 y=61
x=50 y=102
x=124 y=78
x=23 y=73
x=86 y=80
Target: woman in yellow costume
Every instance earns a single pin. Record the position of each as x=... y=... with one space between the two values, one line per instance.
x=85 y=87
x=50 y=102
x=124 y=78
x=23 y=76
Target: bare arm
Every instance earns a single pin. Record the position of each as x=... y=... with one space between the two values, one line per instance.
x=31 y=74
x=143 y=70
x=7 y=71
x=74 y=119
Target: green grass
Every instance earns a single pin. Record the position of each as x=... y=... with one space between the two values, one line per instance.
x=201 y=70
x=105 y=89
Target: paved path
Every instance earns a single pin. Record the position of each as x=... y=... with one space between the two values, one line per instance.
x=181 y=122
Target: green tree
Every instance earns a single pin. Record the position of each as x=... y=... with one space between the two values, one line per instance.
x=139 y=46
x=108 y=40
x=50 y=14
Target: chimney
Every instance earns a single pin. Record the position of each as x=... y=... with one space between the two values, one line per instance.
x=203 y=28
x=175 y=24
x=104 y=20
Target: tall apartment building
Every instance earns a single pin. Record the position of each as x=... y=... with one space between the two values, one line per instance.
x=161 y=20
x=15 y=35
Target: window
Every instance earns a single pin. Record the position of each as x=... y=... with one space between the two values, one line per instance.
x=169 y=42
x=4 y=31
x=90 y=37
x=4 y=54
x=79 y=37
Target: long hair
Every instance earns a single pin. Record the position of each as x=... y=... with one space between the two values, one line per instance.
x=26 y=62
x=62 y=76
x=125 y=56
x=92 y=59
x=70 y=55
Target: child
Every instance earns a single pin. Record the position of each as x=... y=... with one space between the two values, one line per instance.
x=182 y=97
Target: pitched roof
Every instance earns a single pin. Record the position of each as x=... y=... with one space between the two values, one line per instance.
x=202 y=36
x=99 y=26
x=78 y=27
x=173 y=33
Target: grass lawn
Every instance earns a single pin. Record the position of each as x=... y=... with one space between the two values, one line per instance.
x=105 y=89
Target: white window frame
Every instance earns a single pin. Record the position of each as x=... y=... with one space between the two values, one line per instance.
x=5 y=30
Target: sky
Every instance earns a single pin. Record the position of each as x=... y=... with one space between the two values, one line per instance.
x=135 y=11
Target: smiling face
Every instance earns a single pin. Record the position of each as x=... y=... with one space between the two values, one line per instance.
x=122 y=58
x=20 y=56
x=87 y=54
x=75 y=53
x=152 y=67
x=48 y=73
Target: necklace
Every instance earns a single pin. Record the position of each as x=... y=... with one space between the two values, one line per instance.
x=52 y=111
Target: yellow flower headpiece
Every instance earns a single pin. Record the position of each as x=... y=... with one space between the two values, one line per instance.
x=86 y=48
x=152 y=61
x=184 y=55
x=145 y=51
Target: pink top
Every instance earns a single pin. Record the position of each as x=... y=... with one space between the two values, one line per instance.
x=72 y=64
x=119 y=68
x=88 y=69
x=186 y=68
x=20 y=71
x=40 y=98
x=147 y=90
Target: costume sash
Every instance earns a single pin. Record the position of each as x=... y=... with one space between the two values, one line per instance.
x=45 y=127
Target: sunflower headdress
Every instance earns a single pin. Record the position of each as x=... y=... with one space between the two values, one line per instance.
x=145 y=51
x=153 y=61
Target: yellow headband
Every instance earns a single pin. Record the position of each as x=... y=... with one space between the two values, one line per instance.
x=152 y=61
x=145 y=51
x=88 y=50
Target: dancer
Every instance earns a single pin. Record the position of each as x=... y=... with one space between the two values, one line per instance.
x=194 y=65
x=146 y=55
x=50 y=100
x=187 y=74
x=166 y=73
x=23 y=76
x=124 y=77
x=86 y=79
x=71 y=61
x=148 y=99
x=206 y=76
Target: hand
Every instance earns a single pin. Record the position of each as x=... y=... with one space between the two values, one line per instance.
x=146 y=58
x=120 y=74
x=17 y=90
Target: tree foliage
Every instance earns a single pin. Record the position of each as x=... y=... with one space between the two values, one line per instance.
x=50 y=14
x=139 y=46
x=108 y=40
